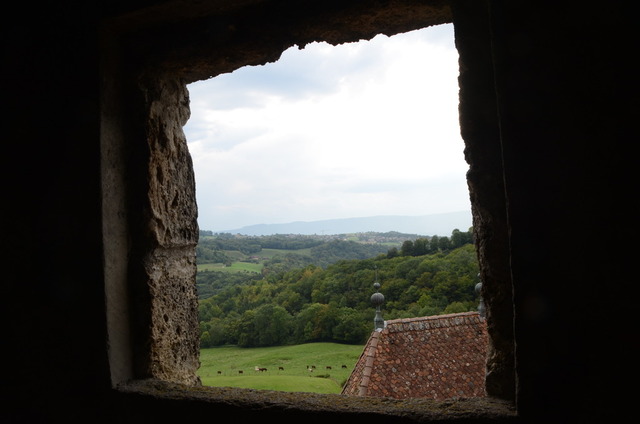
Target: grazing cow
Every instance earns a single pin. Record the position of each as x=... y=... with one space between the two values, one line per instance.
x=219 y=372
x=280 y=368
x=260 y=369
x=328 y=367
x=313 y=366
x=240 y=372
x=310 y=369
x=344 y=366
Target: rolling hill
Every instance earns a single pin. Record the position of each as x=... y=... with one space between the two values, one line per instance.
x=428 y=225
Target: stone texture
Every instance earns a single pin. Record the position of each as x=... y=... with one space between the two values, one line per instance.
x=481 y=134
x=171 y=236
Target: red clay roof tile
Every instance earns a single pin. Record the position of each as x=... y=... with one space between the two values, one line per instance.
x=438 y=357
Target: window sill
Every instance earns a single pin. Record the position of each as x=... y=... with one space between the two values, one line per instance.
x=411 y=410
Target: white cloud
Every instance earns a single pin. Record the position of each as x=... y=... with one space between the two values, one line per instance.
x=360 y=129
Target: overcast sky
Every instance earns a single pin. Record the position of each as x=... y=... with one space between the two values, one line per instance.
x=360 y=129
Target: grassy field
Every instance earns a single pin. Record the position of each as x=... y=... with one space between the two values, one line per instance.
x=270 y=253
x=238 y=257
x=286 y=367
x=235 y=267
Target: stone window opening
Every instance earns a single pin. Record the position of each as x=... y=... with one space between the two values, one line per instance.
x=150 y=228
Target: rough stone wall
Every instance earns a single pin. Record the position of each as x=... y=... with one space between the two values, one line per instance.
x=172 y=233
x=481 y=134
x=208 y=44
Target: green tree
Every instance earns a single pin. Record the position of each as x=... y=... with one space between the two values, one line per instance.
x=205 y=339
x=351 y=327
x=459 y=238
x=313 y=323
x=444 y=244
x=420 y=247
x=407 y=248
x=456 y=307
x=208 y=310
x=434 y=244
x=430 y=305
x=246 y=331
x=410 y=295
x=272 y=324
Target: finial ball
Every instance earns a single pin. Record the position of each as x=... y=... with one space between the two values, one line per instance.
x=377 y=299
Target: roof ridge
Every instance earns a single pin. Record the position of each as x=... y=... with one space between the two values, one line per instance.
x=434 y=321
x=434 y=317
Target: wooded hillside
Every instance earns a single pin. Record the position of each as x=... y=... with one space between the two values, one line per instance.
x=300 y=304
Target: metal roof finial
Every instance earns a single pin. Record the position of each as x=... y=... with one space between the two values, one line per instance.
x=481 y=307
x=377 y=299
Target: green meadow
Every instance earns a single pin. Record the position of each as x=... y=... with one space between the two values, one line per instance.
x=287 y=367
x=270 y=253
x=244 y=263
x=235 y=267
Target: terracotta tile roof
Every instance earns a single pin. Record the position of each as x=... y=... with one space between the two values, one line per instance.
x=438 y=357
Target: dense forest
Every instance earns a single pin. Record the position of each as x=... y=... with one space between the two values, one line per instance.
x=320 y=250
x=300 y=298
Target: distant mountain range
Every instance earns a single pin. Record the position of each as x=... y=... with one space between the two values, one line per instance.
x=427 y=225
